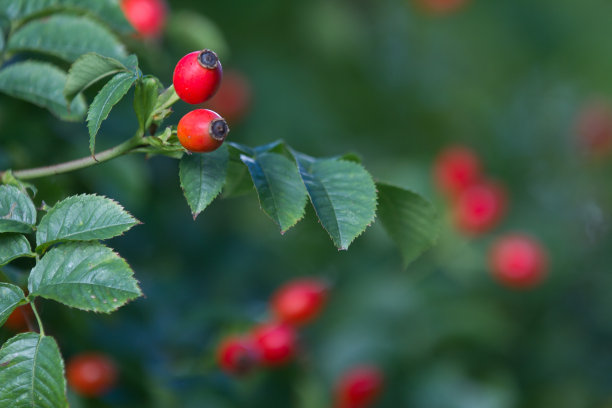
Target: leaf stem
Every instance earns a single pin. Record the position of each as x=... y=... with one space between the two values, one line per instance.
x=40 y=325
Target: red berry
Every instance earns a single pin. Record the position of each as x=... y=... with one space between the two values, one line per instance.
x=148 y=17
x=91 y=374
x=237 y=355
x=233 y=97
x=479 y=207
x=276 y=343
x=518 y=261
x=197 y=76
x=359 y=387
x=442 y=6
x=299 y=301
x=455 y=169
x=594 y=128
x=18 y=320
x=202 y=130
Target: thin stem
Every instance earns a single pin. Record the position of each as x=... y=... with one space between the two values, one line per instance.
x=40 y=325
x=119 y=150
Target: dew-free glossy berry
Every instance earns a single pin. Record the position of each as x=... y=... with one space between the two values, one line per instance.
x=455 y=169
x=359 y=387
x=299 y=301
x=479 y=207
x=518 y=261
x=148 y=17
x=202 y=130
x=91 y=374
x=237 y=355
x=276 y=343
x=197 y=76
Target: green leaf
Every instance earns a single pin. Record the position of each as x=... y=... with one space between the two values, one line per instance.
x=145 y=99
x=343 y=195
x=107 y=11
x=17 y=211
x=67 y=37
x=104 y=101
x=85 y=275
x=83 y=218
x=5 y=27
x=238 y=180
x=202 y=177
x=13 y=246
x=87 y=70
x=281 y=192
x=41 y=84
x=189 y=31
x=32 y=373
x=410 y=220
x=11 y=296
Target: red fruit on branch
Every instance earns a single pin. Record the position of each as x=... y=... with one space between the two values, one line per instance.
x=359 y=387
x=518 y=261
x=91 y=374
x=148 y=17
x=276 y=343
x=299 y=301
x=233 y=98
x=479 y=207
x=237 y=355
x=455 y=169
x=202 y=130
x=197 y=76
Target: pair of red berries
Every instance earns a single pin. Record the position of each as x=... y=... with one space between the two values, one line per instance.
x=91 y=374
x=275 y=343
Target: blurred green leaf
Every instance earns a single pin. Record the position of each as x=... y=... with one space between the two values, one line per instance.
x=410 y=220
x=11 y=296
x=32 y=373
x=145 y=100
x=83 y=218
x=67 y=37
x=281 y=192
x=13 y=246
x=202 y=177
x=88 y=276
x=343 y=196
x=190 y=31
x=17 y=211
x=41 y=84
x=104 y=101
x=5 y=26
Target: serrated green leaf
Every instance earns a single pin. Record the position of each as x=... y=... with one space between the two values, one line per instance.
x=11 y=296
x=104 y=101
x=85 y=275
x=145 y=100
x=17 y=211
x=84 y=217
x=280 y=189
x=67 y=37
x=41 y=84
x=107 y=11
x=32 y=373
x=202 y=177
x=410 y=220
x=13 y=246
x=87 y=70
x=343 y=195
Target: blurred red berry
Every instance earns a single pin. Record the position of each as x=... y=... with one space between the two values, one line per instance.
x=91 y=374
x=441 y=6
x=197 y=76
x=479 y=207
x=202 y=130
x=276 y=343
x=594 y=128
x=359 y=387
x=148 y=17
x=237 y=355
x=299 y=301
x=518 y=261
x=18 y=320
x=233 y=99
x=455 y=169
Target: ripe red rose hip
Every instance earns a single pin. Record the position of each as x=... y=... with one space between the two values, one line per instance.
x=202 y=130
x=91 y=374
x=233 y=97
x=148 y=17
x=518 y=261
x=237 y=355
x=479 y=207
x=299 y=301
x=197 y=76
x=359 y=387
x=455 y=169
x=276 y=343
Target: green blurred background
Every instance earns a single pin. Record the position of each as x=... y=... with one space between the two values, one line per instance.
x=394 y=84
